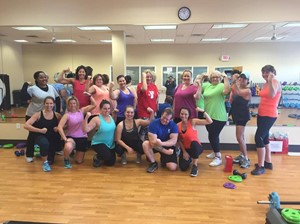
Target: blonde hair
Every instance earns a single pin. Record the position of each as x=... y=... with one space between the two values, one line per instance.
x=70 y=98
x=216 y=73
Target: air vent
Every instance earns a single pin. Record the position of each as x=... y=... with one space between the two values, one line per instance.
x=32 y=36
x=129 y=36
x=197 y=35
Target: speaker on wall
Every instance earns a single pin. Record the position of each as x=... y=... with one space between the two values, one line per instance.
x=5 y=92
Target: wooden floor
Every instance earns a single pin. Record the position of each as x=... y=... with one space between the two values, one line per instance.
x=127 y=194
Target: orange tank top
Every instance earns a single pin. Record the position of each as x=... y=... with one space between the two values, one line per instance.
x=268 y=105
x=188 y=136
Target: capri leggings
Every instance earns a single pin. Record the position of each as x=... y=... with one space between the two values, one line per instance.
x=264 y=125
x=214 y=129
x=194 y=151
x=106 y=154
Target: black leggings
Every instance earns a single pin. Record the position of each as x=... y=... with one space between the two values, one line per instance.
x=194 y=151
x=47 y=147
x=106 y=154
x=137 y=146
x=264 y=125
x=214 y=129
x=29 y=142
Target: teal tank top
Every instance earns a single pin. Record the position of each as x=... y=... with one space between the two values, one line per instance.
x=105 y=133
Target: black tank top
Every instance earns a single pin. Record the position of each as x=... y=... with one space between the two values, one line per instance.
x=130 y=137
x=49 y=124
x=240 y=108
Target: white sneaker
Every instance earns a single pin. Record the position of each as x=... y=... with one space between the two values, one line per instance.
x=216 y=162
x=29 y=159
x=211 y=155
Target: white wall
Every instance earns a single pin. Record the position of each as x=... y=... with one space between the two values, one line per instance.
x=55 y=57
x=11 y=63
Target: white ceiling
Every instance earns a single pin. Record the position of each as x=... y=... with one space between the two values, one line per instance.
x=136 y=34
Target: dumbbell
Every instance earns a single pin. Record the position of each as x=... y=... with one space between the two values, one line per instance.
x=20 y=153
x=243 y=175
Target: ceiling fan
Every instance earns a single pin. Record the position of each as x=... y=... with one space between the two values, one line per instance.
x=52 y=41
x=274 y=36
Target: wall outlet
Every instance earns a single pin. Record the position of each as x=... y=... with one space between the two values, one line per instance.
x=18 y=125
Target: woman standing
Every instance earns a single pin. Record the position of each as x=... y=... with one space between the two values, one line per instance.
x=80 y=83
x=240 y=98
x=267 y=115
x=185 y=95
x=37 y=94
x=147 y=97
x=124 y=97
x=75 y=137
x=99 y=91
x=214 y=100
x=43 y=126
x=103 y=141
x=189 y=142
x=127 y=136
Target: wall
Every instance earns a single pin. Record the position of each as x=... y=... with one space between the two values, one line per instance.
x=11 y=59
x=53 y=58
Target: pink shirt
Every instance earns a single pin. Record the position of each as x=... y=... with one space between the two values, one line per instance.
x=74 y=124
x=185 y=98
x=78 y=89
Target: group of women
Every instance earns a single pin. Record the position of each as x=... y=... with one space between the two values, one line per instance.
x=110 y=115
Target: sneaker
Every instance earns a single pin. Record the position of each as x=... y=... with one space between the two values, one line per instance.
x=46 y=166
x=123 y=159
x=258 y=170
x=152 y=167
x=211 y=155
x=245 y=163
x=268 y=165
x=216 y=162
x=194 y=171
x=238 y=159
x=138 y=158
x=29 y=159
x=67 y=164
x=96 y=161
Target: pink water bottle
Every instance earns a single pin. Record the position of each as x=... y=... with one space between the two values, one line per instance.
x=228 y=163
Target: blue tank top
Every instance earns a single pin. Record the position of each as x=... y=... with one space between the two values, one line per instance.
x=123 y=101
x=105 y=133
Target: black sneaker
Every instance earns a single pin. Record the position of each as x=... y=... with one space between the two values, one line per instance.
x=194 y=171
x=152 y=167
x=96 y=161
x=268 y=165
x=259 y=170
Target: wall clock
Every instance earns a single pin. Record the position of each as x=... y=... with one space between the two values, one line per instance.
x=184 y=13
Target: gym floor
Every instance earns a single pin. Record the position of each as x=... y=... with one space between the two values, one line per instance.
x=127 y=194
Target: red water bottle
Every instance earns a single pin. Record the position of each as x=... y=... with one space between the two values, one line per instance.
x=228 y=163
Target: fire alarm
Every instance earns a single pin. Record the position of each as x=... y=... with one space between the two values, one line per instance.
x=225 y=58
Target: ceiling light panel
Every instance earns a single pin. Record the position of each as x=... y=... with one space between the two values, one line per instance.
x=230 y=25
x=21 y=41
x=106 y=41
x=30 y=28
x=213 y=39
x=162 y=27
x=97 y=28
x=162 y=40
